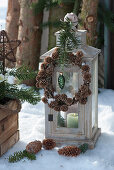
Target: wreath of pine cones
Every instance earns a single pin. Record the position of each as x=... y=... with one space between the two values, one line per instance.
x=61 y=102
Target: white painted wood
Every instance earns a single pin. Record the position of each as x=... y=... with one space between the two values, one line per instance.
x=85 y=133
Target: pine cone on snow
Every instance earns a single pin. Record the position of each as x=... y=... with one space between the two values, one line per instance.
x=49 y=144
x=69 y=151
x=34 y=147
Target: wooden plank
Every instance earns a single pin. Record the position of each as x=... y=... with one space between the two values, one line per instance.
x=9 y=132
x=6 y=123
x=3 y=115
x=9 y=143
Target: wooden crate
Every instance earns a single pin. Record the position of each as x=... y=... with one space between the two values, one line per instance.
x=9 y=133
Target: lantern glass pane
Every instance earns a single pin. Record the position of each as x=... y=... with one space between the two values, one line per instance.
x=71 y=83
x=69 y=119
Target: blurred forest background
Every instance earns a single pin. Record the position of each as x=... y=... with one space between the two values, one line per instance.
x=34 y=22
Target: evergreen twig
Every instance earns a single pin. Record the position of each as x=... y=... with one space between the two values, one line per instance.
x=30 y=95
x=17 y=156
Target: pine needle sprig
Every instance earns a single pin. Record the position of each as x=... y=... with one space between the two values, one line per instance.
x=29 y=94
x=67 y=41
x=17 y=156
x=23 y=73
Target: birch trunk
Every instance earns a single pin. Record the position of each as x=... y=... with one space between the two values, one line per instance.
x=28 y=52
x=12 y=19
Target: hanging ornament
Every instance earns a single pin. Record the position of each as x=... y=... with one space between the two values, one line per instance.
x=61 y=80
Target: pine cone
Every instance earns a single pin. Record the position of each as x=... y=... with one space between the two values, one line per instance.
x=87 y=77
x=53 y=104
x=45 y=100
x=85 y=68
x=55 y=54
x=48 y=59
x=42 y=73
x=64 y=108
x=34 y=147
x=57 y=108
x=83 y=101
x=78 y=61
x=42 y=83
x=63 y=97
x=58 y=97
x=49 y=144
x=69 y=151
x=77 y=96
x=72 y=58
x=44 y=65
x=38 y=78
x=69 y=101
x=46 y=94
x=37 y=84
x=79 y=54
x=49 y=70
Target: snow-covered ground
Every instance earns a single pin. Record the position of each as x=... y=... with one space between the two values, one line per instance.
x=31 y=120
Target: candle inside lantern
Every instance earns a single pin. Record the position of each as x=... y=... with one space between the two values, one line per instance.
x=72 y=120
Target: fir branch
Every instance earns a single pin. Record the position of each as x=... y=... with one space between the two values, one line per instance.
x=30 y=94
x=67 y=42
x=17 y=156
x=23 y=73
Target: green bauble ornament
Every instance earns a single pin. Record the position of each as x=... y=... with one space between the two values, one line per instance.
x=61 y=80
x=83 y=147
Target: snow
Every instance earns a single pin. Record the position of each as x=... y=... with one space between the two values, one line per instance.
x=32 y=127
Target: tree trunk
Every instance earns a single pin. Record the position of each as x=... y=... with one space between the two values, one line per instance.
x=89 y=20
x=28 y=52
x=57 y=13
x=12 y=19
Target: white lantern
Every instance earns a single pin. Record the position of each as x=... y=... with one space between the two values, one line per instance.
x=79 y=124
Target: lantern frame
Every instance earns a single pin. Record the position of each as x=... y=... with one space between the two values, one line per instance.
x=87 y=131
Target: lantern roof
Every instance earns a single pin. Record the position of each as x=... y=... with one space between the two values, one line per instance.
x=89 y=51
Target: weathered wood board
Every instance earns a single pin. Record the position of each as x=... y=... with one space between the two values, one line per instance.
x=9 y=133
x=9 y=143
